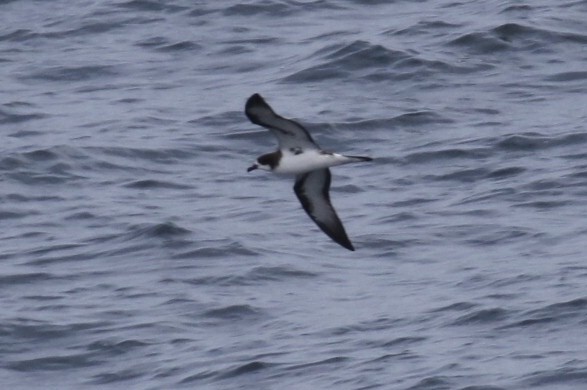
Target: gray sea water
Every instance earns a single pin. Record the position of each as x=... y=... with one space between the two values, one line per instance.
x=137 y=253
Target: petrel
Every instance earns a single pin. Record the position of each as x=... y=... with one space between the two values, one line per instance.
x=299 y=155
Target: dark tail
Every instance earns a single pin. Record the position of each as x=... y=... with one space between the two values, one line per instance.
x=360 y=158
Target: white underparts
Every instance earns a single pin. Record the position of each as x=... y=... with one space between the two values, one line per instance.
x=309 y=161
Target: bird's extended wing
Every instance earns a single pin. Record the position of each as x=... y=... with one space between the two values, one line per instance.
x=290 y=134
x=312 y=190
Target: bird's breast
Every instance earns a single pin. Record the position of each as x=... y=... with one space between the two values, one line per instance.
x=296 y=164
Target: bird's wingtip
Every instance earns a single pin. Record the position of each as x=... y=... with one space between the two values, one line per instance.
x=348 y=245
x=255 y=99
x=254 y=107
x=344 y=242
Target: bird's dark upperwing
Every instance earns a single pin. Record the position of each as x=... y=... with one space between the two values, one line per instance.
x=312 y=190
x=290 y=134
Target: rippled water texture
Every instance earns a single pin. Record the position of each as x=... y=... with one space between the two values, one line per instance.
x=136 y=251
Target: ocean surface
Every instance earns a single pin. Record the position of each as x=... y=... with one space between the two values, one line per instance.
x=136 y=252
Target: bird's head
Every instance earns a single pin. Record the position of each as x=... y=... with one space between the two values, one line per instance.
x=259 y=165
x=266 y=162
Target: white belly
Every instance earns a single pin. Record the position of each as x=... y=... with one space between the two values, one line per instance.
x=308 y=161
